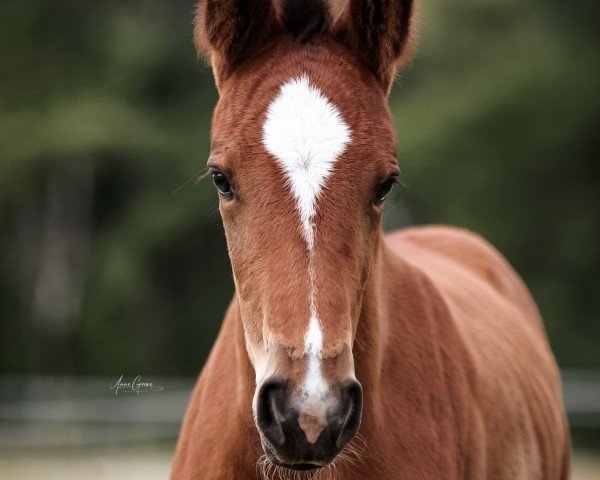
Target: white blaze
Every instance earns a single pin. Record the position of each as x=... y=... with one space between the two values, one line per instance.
x=306 y=133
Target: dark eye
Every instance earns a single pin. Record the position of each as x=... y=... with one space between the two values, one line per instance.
x=384 y=189
x=223 y=185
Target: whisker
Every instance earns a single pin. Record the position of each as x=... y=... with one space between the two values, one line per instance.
x=195 y=176
x=211 y=212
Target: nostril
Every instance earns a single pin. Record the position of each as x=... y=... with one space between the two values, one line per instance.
x=269 y=411
x=351 y=403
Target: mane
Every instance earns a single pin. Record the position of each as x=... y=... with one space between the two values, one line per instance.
x=305 y=19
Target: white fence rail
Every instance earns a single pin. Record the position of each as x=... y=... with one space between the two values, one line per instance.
x=50 y=411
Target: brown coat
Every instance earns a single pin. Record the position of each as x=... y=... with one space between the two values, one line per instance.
x=458 y=377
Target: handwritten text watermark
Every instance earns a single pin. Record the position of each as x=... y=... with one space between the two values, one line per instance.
x=136 y=385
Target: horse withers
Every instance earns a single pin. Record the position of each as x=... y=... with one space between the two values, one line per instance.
x=346 y=353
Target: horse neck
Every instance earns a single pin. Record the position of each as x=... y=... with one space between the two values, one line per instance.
x=372 y=324
x=390 y=277
x=404 y=330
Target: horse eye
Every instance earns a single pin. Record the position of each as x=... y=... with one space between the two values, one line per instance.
x=223 y=185
x=384 y=189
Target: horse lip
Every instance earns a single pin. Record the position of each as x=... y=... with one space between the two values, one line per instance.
x=298 y=466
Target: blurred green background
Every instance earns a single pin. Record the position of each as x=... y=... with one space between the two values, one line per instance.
x=112 y=256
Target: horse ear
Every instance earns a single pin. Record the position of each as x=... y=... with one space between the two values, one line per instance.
x=227 y=32
x=380 y=33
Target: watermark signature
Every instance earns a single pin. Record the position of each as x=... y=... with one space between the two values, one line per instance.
x=136 y=386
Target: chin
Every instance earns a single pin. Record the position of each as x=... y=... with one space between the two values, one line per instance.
x=269 y=461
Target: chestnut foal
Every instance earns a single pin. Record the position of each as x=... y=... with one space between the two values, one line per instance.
x=347 y=353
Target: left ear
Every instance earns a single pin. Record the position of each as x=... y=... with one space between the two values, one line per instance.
x=380 y=33
x=227 y=32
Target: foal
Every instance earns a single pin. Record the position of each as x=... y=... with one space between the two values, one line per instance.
x=424 y=342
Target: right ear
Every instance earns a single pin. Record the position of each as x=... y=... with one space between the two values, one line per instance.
x=380 y=33
x=228 y=31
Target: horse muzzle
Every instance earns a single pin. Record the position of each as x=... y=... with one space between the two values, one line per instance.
x=301 y=430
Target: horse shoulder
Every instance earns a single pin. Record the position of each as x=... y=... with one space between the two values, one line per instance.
x=472 y=253
x=218 y=438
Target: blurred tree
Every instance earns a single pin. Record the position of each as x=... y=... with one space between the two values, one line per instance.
x=113 y=257
x=105 y=266
x=497 y=125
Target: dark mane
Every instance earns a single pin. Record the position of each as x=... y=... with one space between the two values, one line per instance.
x=304 y=19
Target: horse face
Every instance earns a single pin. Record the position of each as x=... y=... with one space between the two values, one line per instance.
x=303 y=155
x=302 y=165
